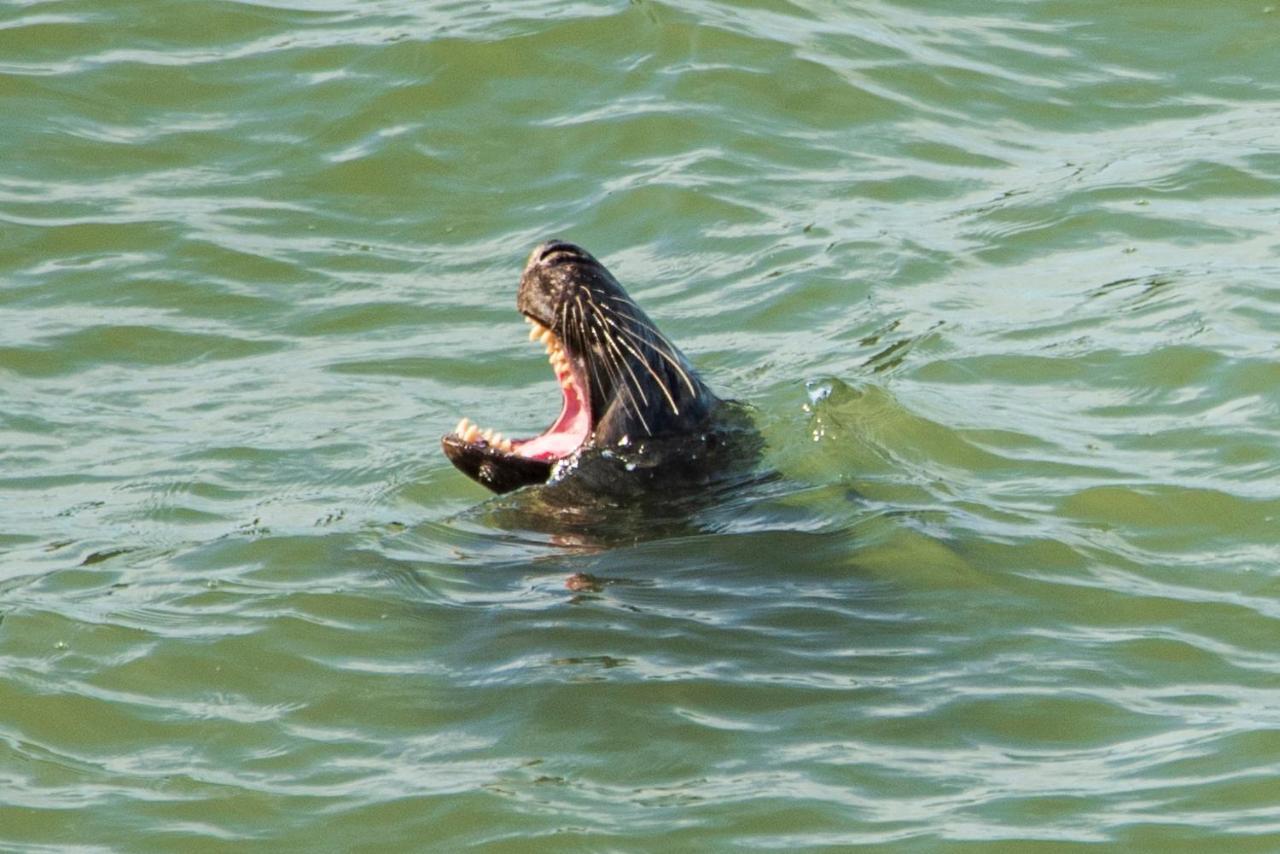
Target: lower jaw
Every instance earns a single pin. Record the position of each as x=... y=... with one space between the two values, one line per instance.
x=506 y=464
x=494 y=468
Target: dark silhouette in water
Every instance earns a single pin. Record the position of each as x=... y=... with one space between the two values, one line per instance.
x=636 y=421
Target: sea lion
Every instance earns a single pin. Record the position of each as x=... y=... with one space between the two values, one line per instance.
x=633 y=408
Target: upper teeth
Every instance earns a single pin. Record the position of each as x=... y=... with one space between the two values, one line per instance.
x=559 y=360
x=555 y=349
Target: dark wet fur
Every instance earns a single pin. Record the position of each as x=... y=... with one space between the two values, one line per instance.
x=657 y=425
x=725 y=447
x=641 y=385
x=657 y=491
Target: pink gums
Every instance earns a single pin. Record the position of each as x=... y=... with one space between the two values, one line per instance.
x=569 y=431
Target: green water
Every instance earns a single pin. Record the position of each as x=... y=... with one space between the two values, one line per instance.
x=1001 y=282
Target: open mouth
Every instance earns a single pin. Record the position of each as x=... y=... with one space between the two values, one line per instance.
x=528 y=460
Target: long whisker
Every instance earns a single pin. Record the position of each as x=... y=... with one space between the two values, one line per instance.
x=626 y=394
x=580 y=323
x=615 y=363
x=643 y=361
x=581 y=344
x=580 y=327
x=627 y=309
x=564 y=316
x=608 y=338
x=611 y=367
x=627 y=385
x=665 y=354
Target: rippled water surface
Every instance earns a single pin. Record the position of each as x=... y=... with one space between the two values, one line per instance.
x=1000 y=281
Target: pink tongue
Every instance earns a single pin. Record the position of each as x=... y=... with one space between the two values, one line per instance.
x=563 y=437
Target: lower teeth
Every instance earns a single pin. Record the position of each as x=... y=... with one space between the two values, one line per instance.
x=471 y=434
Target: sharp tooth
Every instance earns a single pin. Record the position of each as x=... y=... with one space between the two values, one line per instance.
x=534 y=335
x=507 y=446
x=461 y=428
x=488 y=434
x=547 y=336
x=496 y=439
x=473 y=433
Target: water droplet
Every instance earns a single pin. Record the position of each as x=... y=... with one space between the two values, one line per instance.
x=818 y=391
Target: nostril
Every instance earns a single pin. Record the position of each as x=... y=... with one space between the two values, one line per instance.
x=554 y=254
x=550 y=248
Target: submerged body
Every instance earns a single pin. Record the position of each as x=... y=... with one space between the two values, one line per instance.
x=633 y=408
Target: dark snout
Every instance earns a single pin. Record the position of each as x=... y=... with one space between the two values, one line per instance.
x=491 y=467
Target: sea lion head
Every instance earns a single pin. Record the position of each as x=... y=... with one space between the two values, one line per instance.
x=622 y=381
